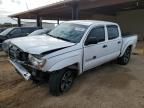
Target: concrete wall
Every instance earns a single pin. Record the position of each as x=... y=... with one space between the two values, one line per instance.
x=130 y=21
x=104 y=17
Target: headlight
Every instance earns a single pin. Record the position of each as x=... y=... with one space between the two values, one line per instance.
x=37 y=62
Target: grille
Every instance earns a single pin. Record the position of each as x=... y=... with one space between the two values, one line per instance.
x=17 y=53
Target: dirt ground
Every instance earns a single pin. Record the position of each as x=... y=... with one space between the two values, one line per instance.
x=108 y=86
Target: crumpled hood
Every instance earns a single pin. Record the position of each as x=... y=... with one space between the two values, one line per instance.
x=39 y=44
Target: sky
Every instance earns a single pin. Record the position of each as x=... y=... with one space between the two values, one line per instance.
x=8 y=7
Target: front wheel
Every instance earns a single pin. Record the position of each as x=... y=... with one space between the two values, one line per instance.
x=126 y=57
x=61 y=81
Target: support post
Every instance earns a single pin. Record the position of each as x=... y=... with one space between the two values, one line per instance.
x=75 y=11
x=19 y=22
x=143 y=44
x=58 y=21
x=39 y=21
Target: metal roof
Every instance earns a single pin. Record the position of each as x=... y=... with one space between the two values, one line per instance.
x=63 y=10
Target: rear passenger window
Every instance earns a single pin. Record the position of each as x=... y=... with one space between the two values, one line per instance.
x=98 y=33
x=27 y=30
x=112 y=32
x=15 y=31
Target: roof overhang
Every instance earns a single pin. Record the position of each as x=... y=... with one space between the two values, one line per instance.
x=63 y=10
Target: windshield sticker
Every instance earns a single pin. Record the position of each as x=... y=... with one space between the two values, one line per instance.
x=79 y=29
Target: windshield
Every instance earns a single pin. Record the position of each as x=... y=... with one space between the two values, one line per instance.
x=69 y=32
x=5 y=32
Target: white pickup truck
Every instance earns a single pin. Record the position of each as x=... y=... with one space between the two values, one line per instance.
x=68 y=50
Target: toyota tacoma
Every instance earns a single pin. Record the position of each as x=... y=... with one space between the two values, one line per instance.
x=68 y=50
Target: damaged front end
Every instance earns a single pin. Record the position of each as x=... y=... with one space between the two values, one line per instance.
x=23 y=65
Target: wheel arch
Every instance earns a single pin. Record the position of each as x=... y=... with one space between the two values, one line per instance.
x=124 y=48
x=70 y=63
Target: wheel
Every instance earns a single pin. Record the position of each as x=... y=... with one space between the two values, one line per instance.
x=61 y=81
x=126 y=57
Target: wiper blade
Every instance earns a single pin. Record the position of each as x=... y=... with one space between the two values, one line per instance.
x=50 y=35
x=60 y=38
x=63 y=39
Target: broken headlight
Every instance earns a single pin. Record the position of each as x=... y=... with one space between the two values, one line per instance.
x=37 y=62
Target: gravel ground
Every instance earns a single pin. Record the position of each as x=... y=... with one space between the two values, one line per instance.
x=108 y=86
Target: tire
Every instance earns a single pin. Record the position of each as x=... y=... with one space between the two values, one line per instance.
x=124 y=60
x=61 y=81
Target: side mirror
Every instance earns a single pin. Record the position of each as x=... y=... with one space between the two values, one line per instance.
x=91 y=40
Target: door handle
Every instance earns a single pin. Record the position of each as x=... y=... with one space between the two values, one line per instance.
x=104 y=46
x=119 y=42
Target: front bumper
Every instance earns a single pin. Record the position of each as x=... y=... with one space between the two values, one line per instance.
x=21 y=70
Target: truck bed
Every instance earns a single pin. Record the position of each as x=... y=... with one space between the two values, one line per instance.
x=128 y=40
x=127 y=35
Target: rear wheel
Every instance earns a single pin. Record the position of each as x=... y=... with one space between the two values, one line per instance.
x=126 y=57
x=61 y=81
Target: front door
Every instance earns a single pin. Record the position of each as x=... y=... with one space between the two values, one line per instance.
x=95 y=48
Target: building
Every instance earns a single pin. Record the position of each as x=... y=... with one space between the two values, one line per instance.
x=128 y=13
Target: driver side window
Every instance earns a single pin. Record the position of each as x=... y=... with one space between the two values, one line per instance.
x=15 y=32
x=96 y=35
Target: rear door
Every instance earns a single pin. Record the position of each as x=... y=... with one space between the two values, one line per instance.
x=114 y=41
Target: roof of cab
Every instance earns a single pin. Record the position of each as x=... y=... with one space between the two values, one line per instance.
x=90 y=22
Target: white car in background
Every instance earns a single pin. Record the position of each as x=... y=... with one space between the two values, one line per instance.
x=40 y=32
x=69 y=50
x=6 y=43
